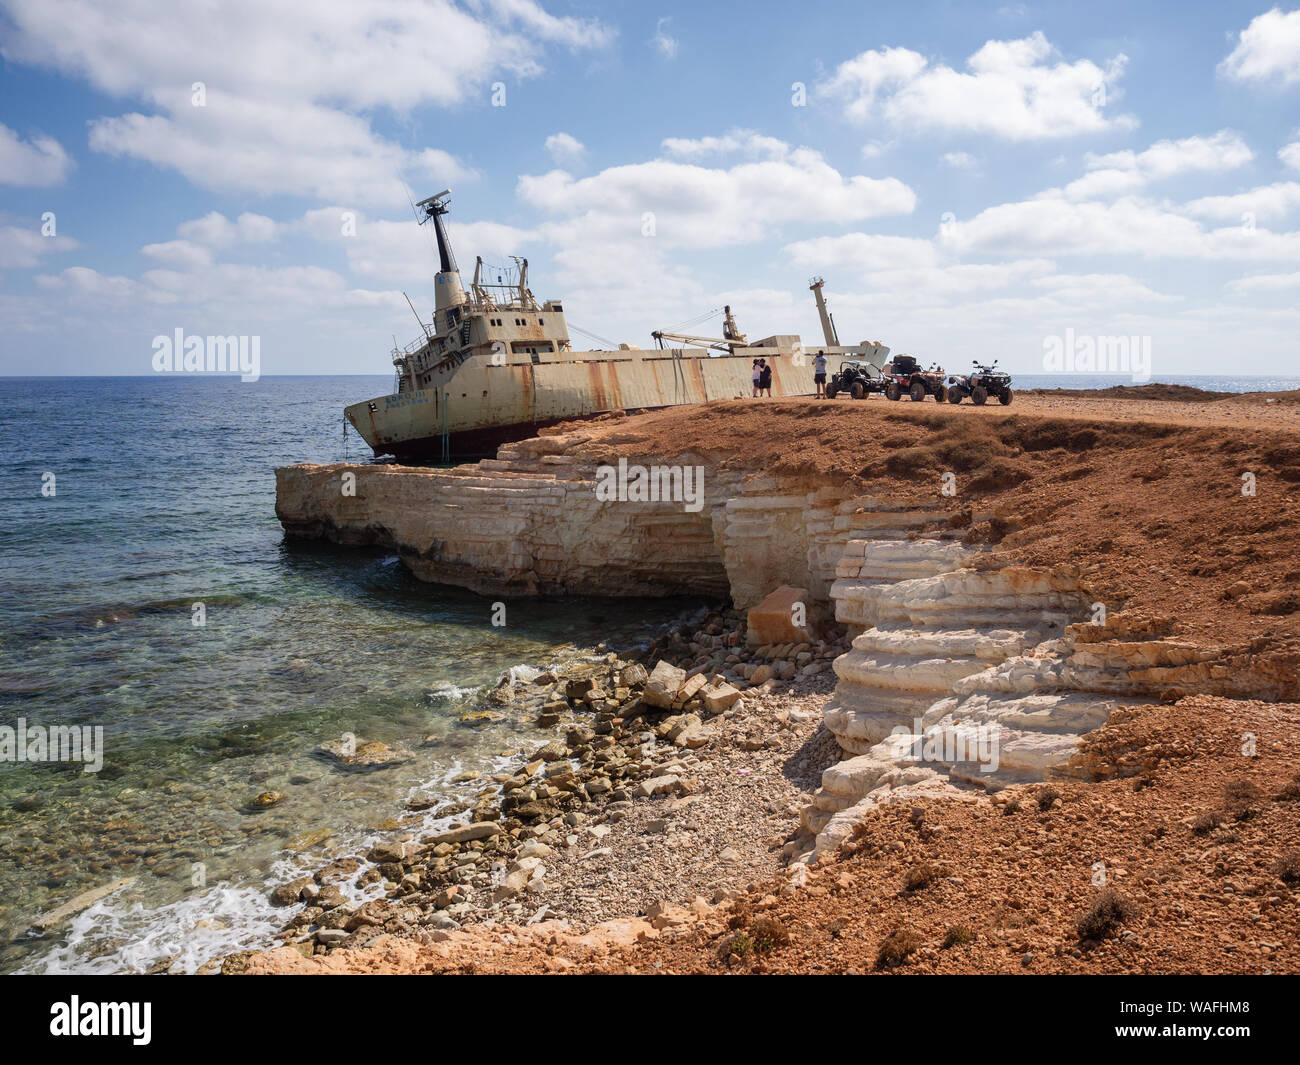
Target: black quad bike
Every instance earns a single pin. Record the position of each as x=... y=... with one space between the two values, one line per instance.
x=980 y=384
x=903 y=377
x=856 y=377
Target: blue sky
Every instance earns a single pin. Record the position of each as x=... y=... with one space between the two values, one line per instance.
x=970 y=179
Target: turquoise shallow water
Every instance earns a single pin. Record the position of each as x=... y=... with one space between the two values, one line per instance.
x=165 y=497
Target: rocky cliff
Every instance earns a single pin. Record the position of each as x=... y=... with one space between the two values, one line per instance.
x=966 y=671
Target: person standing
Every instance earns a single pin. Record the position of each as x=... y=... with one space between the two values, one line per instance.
x=758 y=375
x=819 y=374
x=765 y=378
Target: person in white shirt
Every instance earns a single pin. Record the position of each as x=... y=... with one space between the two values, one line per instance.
x=819 y=374
x=758 y=376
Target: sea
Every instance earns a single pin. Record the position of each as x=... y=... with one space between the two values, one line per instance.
x=147 y=591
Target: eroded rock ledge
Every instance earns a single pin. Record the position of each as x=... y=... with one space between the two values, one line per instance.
x=952 y=643
x=529 y=523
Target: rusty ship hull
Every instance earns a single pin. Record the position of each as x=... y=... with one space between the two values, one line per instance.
x=484 y=405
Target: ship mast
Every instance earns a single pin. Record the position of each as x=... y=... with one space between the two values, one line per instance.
x=448 y=291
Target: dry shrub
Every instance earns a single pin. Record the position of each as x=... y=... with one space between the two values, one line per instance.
x=957 y=936
x=898 y=946
x=1241 y=799
x=768 y=934
x=1108 y=911
x=921 y=876
x=1290 y=790
x=1207 y=822
x=1287 y=867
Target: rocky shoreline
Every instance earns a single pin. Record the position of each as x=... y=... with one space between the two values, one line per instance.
x=667 y=785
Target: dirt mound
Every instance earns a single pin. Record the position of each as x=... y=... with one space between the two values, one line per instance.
x=1152 y=391
x=1290 y=397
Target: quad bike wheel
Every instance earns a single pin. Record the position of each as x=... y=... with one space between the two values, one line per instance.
x=856 y=390
x=917 y=391
x=940 y=394
x=1005 y=398
x=832 y=390
x=979 y=395
x=894 y=391
x=954 y=396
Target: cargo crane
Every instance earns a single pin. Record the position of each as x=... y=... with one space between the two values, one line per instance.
x=731 y=341
x=828 y=323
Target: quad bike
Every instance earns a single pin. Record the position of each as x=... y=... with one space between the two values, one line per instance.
x=980 y=384
x=905 y=376
x=857 y=377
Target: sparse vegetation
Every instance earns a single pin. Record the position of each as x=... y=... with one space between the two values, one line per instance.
x=1047 y=798
x=1290 y=790
x=753 y=934
x=1011 y=806
x=1108 y=911
x=897 y=947
x=921 y=876
x=768 y=934
x=737 y=946
x=957 y=936
x=1241 y=799
x=1287 y=867
x=1207 y=822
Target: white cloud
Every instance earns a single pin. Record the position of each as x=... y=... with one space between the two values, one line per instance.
x=1265 y=283
x=737 y=141
x=1076 y=290
x=21 y=248
x=1266 y=202
x=566 y=149
x=243 y=291
x=959 y=160
x=1051 y=224
x=1118 y=172
x=285 y=82
x=861 y=251
x=663 y=43
x=314 y=150
x=85 y=282
x=1290 y=155
x=1008 y=90
x=216 y=230
x=695 y=206
x=1268 y=50
x=179 y=253
x=40 y=161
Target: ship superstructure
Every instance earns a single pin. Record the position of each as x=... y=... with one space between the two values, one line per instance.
x=495 y=364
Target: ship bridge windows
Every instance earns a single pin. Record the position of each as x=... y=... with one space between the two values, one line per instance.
x=532 y=347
